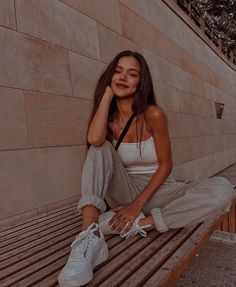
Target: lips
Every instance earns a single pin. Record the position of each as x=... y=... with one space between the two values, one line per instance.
x=122 y=86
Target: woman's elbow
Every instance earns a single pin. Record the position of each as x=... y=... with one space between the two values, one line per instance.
x=96 y=141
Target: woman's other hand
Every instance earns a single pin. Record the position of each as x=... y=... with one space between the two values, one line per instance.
x=124 y=217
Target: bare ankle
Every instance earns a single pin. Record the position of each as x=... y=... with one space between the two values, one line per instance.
x=90 y=215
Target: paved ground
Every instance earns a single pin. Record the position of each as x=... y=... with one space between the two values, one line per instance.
x=215 y=265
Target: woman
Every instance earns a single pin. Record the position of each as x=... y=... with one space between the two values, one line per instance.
x=136 y=180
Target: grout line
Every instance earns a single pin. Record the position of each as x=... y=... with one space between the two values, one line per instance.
x=15 y=14
x=27 y=119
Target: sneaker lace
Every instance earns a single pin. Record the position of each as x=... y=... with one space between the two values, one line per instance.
x=135 y=229
x=80 y=244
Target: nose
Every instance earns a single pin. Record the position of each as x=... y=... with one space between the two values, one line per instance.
x=123 y=75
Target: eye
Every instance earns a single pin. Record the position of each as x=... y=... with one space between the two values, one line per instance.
x=134 y=75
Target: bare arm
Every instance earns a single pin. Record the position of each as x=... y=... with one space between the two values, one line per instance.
x=97 y=130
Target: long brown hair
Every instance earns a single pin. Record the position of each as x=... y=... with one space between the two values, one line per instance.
x=144 y=96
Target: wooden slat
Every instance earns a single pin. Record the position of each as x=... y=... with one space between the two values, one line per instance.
x=50 y=281
x=40 y=239
x=126 y=270
x=41 y=227
x=33 y=220
x=39 y=271
x=42 y=269
x=26 y=259
x=167 y=275
x=146 y=270
x=36 y=233
x=225 y=223
x=119 y=256
x=232 y=217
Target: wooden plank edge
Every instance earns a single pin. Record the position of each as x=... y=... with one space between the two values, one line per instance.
x=171 y=276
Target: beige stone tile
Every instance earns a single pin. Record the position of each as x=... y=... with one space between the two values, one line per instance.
x=214 y=143
x=173 y=99
x=33 y=64
x=160 y=69
x=184 y=125
x=188 y=125
x=198 y=86
x=213 y=78
x=201 y=70
x=103 y=11
x=83 y=153
x=184 y=81
x=7 y=14
x=220 y=126
x=140 y=7
x=203 y=167
x=85 y=73
x=213 y=93
x=37 y=177
x=137 y=29
x=58 y=23
x=225 y=85
x=112 y=43
x=56 y=120
x=187 y=149
x=165 y=97
x=196 y=105
x=13 y=123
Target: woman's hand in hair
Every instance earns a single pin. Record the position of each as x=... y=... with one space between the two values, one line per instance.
x=124 y=217
x=109 y=93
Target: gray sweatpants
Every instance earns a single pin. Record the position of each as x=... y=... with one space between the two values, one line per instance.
x=174 y=205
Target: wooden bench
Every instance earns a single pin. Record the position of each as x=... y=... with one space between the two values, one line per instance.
x=35 y=250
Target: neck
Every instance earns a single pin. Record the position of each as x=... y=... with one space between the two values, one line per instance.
x=124 y=109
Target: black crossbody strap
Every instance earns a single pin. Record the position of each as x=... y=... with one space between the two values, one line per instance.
x=125 y=130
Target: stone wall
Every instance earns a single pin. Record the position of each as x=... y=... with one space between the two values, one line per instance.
x=51 y=55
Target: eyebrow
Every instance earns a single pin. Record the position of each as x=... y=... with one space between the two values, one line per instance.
x=132 y=69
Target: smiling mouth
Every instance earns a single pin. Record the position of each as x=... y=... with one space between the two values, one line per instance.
x=121 y=86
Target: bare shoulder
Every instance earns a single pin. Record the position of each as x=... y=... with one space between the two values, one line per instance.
x=155 y=116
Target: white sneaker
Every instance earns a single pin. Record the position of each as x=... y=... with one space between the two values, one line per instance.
x=88 y=250
x=104 y=226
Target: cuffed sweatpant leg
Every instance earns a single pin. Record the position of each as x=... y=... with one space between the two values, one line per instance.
x=196 y=203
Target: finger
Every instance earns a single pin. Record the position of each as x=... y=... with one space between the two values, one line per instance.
x=113 y=219
x=118 y=216
x=127 y=226
x=118 y=208
x=116 y=225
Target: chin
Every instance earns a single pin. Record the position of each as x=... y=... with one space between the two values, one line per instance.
x=123 y=96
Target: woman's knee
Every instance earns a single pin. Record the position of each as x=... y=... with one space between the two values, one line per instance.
x=223 y=193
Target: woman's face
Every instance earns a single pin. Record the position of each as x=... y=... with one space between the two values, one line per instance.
x=126 y=78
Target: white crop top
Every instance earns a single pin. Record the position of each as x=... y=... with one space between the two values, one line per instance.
x=130 y=156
